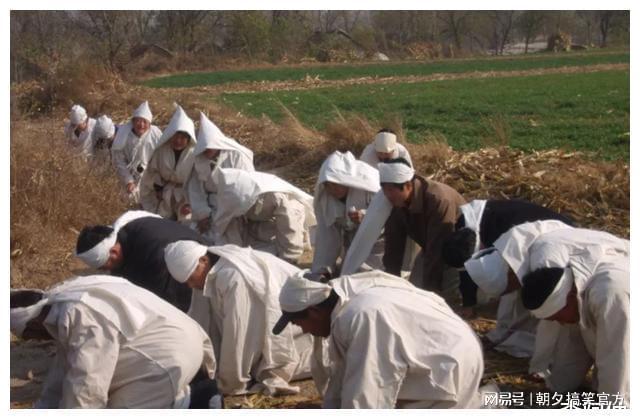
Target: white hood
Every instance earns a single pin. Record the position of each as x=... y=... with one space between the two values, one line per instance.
x=180 y=121
x=143 y=111
x=210 y=137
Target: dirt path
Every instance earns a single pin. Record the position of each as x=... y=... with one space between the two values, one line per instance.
x=317 y=83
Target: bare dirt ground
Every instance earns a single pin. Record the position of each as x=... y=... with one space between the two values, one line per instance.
x=54 y=194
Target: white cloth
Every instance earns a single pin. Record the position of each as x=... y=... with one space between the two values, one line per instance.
x=179 y=121
x=384 y=142
x=120 y=346
x=472 y=213
x=370 y=157
x=77 y=115
x=238 y=307
x=513 y=245
x=370 y=229
x=394 y=345
x=83 y=141
x=299 y=293
x=335 y=230
x=202 y=188
x=20 y=316
x=269 y=209
x=143 y=111
x=489 y=271
x=182 y=258
x=131 y=153
x=395 y=172
x=104 y=128
x=515 y=331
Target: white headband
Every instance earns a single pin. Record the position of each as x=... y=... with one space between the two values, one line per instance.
x=472 y=213
x=395 y=172
x=558 y=297
x=20 y=316
x=384 y=142
x=489 y=271
x=98 y=255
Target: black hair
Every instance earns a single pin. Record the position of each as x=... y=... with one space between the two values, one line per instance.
x=25 y=298
x=390 y=131
x=538 y=285
x=213 y=258
x=458 y=247
x=92 y=235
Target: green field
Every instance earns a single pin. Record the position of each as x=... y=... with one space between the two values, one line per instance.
x=340 y=72
x=588 y=111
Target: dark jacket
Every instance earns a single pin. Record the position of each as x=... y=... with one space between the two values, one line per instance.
x=143 y=242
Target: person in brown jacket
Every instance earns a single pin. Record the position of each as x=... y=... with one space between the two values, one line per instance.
x=424 y=210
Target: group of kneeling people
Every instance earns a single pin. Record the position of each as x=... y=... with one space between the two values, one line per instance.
x=374 y=331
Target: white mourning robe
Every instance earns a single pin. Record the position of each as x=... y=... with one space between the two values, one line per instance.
x=83 y=142
x=120 y=346
x=239 y=307
x=131 y=154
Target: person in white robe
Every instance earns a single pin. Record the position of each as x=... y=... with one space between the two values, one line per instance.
x=102 y=138
x=117 y=345
x=343 y=193
x=385 y=147
x=132 y=148
x=235 y=299
x=78 y=130
x=213 y=150
x=262 y=211
x=581 y=281
x=390 y=343
x=163 y=183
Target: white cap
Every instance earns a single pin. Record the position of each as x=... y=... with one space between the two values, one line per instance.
x=143 y=112
x=384 y=142
x=297 y=294
x=395 y=172
x=489 y=271
x=77 y=115
x=104 y=128
x=180 y=121
x=182 y=257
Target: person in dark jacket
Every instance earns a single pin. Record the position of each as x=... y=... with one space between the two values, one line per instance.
x=133 y=248
x=479 y=225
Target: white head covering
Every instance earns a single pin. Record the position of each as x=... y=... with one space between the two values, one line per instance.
x=182 y=257
x=395 y=172
x=299 y=293
x=143 y=111
x=77 y=115
x=344 y=169
x=104 y=128
x=558 y=297
x=384 y=142
x=211 y=137
x=98 y=255
x=20 y=316
x=180 y=121
x=472 y=213
x=489 y=271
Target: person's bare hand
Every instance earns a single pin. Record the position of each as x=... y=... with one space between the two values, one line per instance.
x=131 y=187
x=185 y=209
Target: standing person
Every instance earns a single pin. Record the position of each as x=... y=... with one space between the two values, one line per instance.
x=118 y=346
x=78 y=129
x=343 y=192
x=235 y=299
x=480 y=224
x=133 y=147
x=133 y=248
x=262 y=211
x=213 y=150
x=163 y=184
x=385 y=147
x=581 y=281
x=425 y=211
x=390 y=343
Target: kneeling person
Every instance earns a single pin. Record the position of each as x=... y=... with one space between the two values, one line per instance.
x=235 y=300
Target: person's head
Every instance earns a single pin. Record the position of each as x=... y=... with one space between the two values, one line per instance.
x=336 y=190
x=211 y=153
x=396 y=180
x=97 y=246
x=307 y=304
x=78 y=118
x=385 y=144
x=458 y=247
x=139 y=126
x=551 y=294
x=180 y=140
x=189 y=262
x=28 y=310
x=489 y=271
x=104 y=130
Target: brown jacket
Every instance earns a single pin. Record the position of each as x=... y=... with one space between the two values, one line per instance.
x=429 y=219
